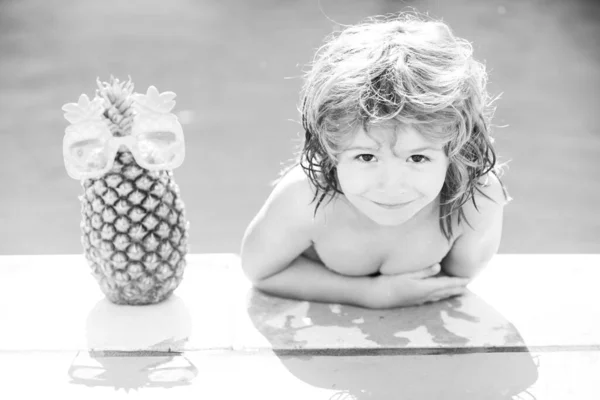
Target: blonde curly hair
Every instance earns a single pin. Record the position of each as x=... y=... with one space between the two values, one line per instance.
x=403 y=69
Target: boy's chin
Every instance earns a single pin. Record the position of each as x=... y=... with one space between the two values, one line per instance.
x=390 y=221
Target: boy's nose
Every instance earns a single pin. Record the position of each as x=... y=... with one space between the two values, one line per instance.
x=392 y=178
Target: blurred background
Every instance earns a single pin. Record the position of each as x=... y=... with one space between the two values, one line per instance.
x=236 y=67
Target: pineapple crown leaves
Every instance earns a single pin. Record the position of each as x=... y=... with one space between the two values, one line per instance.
x=84 y=109
x=118 y=103
x=114 y=92
x=153 y=101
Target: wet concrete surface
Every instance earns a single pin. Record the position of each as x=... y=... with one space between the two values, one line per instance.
x=231 y=375
x=236 y=69
x=219 y=338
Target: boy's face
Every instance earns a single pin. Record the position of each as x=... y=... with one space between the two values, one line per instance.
x=391 y=173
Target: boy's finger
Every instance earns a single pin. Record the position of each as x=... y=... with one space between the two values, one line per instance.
x=446 y=293
x=433 y=285
x=425 y=273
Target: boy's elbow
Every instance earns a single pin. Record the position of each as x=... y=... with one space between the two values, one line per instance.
x=250 y=262
x=259 y=272
x=254 y=268
x=251 y=270
x=465 y=268
x=258 y=263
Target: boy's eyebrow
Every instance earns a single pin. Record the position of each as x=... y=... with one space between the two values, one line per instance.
x=361 y=148
x=418 y=149
x=423 y=149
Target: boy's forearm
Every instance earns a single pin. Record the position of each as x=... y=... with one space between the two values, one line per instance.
x=310 y=280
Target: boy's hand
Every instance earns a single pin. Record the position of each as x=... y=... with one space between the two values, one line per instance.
x=414 y=288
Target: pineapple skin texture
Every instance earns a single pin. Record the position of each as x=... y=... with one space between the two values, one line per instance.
x=134 y=232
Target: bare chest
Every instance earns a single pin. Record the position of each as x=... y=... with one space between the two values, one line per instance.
x=347 y=249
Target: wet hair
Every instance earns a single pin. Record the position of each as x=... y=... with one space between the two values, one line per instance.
x=401 y=69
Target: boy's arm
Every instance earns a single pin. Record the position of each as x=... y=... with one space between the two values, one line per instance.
x=310 y=280
x=281 y=230
x=478 y=243
x=276 y=238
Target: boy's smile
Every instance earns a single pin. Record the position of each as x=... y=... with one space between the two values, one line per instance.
x=391 y=173
x=392 y=206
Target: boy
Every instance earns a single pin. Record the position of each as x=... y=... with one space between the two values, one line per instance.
x=396 y=198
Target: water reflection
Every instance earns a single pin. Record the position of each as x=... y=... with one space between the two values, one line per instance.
x=130 y=347
x=131 y=373
x=442 y=350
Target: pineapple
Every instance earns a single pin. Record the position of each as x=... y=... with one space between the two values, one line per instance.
x=134 y=229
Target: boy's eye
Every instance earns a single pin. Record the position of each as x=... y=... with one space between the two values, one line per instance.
x=365 y=157
x=418 y=158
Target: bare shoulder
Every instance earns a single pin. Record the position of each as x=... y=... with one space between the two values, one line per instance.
x=292 y=195
x=489 y=203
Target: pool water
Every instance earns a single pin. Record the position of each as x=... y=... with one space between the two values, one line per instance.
x=236 y=67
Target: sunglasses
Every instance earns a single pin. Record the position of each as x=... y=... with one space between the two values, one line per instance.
x=156 y=140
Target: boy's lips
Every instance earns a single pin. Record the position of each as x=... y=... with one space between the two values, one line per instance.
x=392 y=206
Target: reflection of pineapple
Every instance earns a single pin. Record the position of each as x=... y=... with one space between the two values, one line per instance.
x=132 y=372
x=137 y=348
x=134 y=226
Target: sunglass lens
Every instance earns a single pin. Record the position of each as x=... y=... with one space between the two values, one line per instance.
x=89 y=155
x=156 y=148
